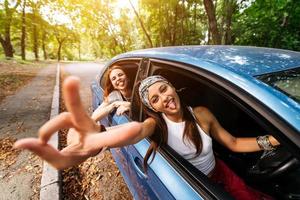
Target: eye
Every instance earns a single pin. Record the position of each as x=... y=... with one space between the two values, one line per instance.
x=154 y=99
x=163 y=88
x=113 y=78
x=120 y=74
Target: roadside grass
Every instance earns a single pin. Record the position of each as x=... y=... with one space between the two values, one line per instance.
x=9 y=83
x=16 y=73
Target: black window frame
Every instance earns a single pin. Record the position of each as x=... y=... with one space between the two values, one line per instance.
x=241 y=99
x=121 y=62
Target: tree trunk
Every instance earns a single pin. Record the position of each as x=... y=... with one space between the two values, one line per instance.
x=23 y=32
x=7 y=47
x=142 y=25
x=175 y=26
x=79 y=49
x=212 y=22
x=231 y=7
x=35 y=37
x=5 y=40
x=59 y=50
x=44 y=47
x=194 y=17
x=60 y=43
x=223 y=18
x=181 y=23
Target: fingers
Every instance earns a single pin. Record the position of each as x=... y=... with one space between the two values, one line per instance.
x=72 y=98
x=45 y=151
x=63 y=120
x=73 y=137
x=121 y=110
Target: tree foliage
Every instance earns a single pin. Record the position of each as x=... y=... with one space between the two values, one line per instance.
x=76 y=29
x=269 y=23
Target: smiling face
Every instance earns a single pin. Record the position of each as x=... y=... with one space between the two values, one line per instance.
x=163 y=98
x=118 y=79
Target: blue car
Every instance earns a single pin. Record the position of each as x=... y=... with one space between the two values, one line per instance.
x=252 y=91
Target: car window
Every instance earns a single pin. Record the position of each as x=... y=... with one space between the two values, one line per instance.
x=287 y=81
x=261 y=170
x=130 y=68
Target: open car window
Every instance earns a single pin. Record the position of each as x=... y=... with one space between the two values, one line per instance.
x=264 y=171
x=130 y=68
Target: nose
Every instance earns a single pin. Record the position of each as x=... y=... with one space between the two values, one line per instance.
x=118 y=79
x=164 y=97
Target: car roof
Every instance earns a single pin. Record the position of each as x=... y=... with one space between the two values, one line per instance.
x=242 y=59
x=239 y=65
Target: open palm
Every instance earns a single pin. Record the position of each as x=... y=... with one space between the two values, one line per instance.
x=82 y=129
x=84 y=139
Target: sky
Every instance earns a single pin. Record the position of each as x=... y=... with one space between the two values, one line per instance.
x=57 y=17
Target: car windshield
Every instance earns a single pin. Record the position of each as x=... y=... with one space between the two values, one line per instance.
x=287 y=81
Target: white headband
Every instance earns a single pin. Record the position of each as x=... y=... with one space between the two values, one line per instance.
x=145 y=84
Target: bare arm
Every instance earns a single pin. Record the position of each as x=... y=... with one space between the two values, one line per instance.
x=84 y=139
x=103 y=110
x=236 y=144
x=122 y=135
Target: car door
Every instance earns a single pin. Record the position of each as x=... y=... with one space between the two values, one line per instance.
x=165 y=177
x=142 y=185
x=97 y=94
x=275 y=173
x=97 y=87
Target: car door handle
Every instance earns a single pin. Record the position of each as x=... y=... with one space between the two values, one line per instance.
x=138 y=166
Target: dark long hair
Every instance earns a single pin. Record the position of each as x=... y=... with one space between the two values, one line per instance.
x=108 y=85
x=160 y=135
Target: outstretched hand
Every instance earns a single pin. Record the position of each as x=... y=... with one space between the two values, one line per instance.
x=82 y=128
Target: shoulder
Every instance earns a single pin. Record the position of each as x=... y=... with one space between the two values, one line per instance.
x=148 y=126
x=203 y=114
x=115 y=95
x=201 y=110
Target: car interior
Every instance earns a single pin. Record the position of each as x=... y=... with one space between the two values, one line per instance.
x=275 y=172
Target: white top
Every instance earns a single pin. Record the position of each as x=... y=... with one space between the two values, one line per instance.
x=116 y=95
x=205 y=162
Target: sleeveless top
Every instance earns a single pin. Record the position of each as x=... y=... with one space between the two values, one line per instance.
x=205 y=162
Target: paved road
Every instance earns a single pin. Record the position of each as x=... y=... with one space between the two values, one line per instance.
x=111 y=185
x=21 y=116
x=87 y=72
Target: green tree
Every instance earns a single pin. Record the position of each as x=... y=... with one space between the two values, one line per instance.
x=269 y=23
x=6 y=17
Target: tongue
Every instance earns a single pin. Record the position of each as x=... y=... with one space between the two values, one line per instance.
x=172 y=105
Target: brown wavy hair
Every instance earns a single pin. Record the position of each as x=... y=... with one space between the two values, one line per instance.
x=108 y=85
x=160 y=135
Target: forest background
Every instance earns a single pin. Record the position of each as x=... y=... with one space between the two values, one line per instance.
x=101 y=29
